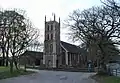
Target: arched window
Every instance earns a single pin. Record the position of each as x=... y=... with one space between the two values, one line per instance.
x=47 y=36
x=51 y=27
x=51 y=36
x=51 y=48
x=48 y=28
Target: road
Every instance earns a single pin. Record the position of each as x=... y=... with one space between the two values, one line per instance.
x=43 y=76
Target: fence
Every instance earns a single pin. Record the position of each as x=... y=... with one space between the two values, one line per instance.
x=115 y=72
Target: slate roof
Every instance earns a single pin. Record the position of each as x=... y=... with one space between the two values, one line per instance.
x=33 y=54
x=71 y=48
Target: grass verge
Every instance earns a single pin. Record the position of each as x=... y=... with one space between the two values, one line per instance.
x=2 y=68
x=7 y=74
x=106 y=79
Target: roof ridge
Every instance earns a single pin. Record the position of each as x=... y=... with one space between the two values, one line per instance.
x=70 y=43
x=71 y=47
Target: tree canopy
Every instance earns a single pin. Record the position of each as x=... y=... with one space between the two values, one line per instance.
x=99 y=28
x=17 y=33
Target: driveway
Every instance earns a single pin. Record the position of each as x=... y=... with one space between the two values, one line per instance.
x=43 y=76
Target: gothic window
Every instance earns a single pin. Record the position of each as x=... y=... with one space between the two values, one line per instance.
x=47 y=36
x=51 y=36
x=46 y=47
x=51 y=48
x=48 y=28
x=51 y=27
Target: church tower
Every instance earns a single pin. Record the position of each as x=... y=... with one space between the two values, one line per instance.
x=51 y=43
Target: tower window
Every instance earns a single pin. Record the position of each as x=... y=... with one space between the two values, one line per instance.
x=47 y=36
x=51 y=27
x=46 y=48
x=51 y=48
x=51 y=36
x=48 y=28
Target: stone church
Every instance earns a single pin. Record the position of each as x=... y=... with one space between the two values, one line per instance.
x=56 y=52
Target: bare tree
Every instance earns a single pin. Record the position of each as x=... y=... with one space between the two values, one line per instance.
x=4 y=38
x=96 y=27
x=19 y=33
x=36 y=45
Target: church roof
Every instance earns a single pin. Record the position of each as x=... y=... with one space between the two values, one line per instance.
x=33 y=54
x=71 y=48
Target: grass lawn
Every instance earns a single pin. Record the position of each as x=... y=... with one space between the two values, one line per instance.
x=106 y=79
x=5 y=73
x=2 y=69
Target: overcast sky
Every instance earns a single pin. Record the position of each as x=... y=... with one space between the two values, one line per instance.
x=37 y=9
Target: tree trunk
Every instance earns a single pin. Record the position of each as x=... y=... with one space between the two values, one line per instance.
x=3 y=58
x=7 y=59
x=25 y=62
x=15 y=62
x=19 y=63
x=103 y=69
x=3 y=48
x=11 y=65
x=7 y=52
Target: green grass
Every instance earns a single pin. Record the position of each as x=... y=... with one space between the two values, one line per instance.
x=106 y=79
x=2 y=68
x=5 y=73
x=111 y=79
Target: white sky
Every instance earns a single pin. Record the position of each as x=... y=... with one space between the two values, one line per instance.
x=37 y=9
